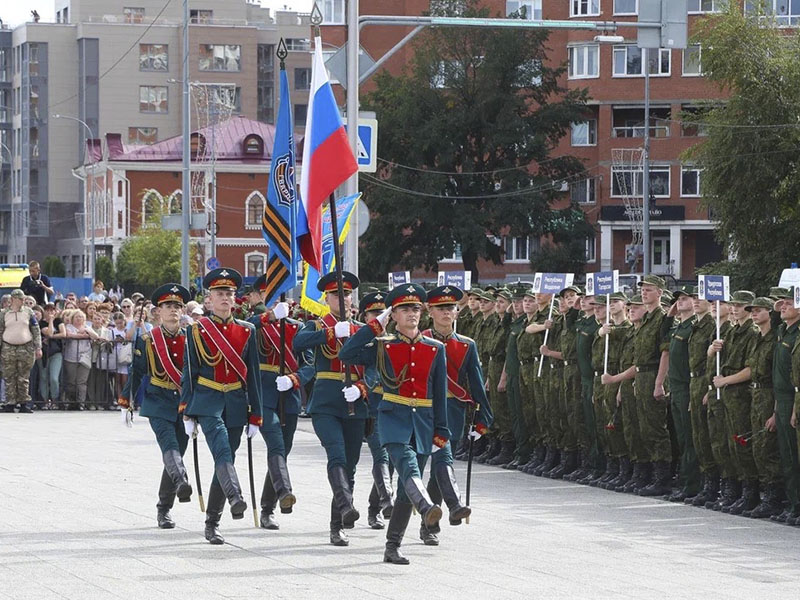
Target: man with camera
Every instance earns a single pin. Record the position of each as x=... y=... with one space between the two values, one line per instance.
x=36 y=284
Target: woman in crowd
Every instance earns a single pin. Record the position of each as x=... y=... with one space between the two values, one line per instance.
x=53 y=334
x=123 y=350
x=77 y=359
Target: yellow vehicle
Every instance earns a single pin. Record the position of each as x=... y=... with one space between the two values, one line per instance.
x=11 y=276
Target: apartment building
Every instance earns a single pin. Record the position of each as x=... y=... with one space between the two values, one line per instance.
x=116 y=65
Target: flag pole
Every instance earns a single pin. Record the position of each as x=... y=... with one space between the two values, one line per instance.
x=282 y=52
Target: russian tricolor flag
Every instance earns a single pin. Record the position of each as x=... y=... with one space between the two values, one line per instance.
x=328 y=160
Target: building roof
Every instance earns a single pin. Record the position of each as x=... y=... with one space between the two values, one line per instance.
x=229 y=138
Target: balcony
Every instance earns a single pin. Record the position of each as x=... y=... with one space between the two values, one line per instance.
x=629 y=122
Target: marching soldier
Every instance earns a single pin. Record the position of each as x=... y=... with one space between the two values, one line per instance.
x=221 y=391
x=159 y=356
x=280 y=399
x=465 y=389
x=340 y=432
x=412 y=416
x=381 y=501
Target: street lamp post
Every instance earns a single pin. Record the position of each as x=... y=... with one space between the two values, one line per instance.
x=93 y=251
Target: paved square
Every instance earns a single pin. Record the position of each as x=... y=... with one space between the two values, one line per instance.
x=77 y=521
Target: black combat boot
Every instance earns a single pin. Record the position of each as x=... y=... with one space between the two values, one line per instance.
x=636 y=475
x=611 y=472
x=394 y=533
x=549 y=462
x=624 y=475
x=750 y=498
x=343 y=496
x=583 y=469
x=478 y=447
x=446 y=478
x=229 y=482
x=166 y=498
x=662 y=479
x=537 y=458
x=562 y=467
x=771 y=504
x=338 y=537
x=492 y=449
x=505 y=456
x=738 y=500
x=710 y=491
x=463 y=449
x=268 y=503
x=214 y=507
x=731 y=491
x=173 y=465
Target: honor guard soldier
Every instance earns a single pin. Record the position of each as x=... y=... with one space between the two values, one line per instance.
x=465 y=390
x=412 y=415
x=280 y=398
x=340 y=431
x=159 y=356
x=381 y=501
x=221 y=391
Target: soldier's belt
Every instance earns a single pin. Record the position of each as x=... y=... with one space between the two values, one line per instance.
x=646 y=369
x=696 y=374
x=378 y=389
x=332 y=375
x=269 y=368
x=220 y=387
x=557 y=365
x=567 y=363
x=760 y=386
x=167 y=385
x=406 y=401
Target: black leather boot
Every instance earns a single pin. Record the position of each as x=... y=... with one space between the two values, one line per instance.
x=383 y=484
x=738 y=497
x=446 y=478
x=268 y=503
x=427 y=536
x=537 y=456
x=636 y=475
x=611 y=472
x=750 y=498
x=374 y=516
x=394 y=533
x=279 y=473
x=492 y=449
x=710 y=491
x=463 y=449
x=623 y=476
x=214 y=506
x=559 y=469
x=431 y=513
x=173 y=465
x=771 y=504
x=662 y=478
x=505 y=456
x=166 y=498
x=229 y=482
x=343 y=496
x=338 y=536
x=584 y=468
x=478 y=448
x=551 y=459
x=731 y=490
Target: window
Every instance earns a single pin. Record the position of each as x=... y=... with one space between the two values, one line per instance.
x=584 y=61
x=300 y=114
x=201 y=15
x=692 y=65
x=298 y=44
x=691 y=186
x=584 y=8
x=254 y=264
x=628 y=62
x=142 y=135
x=266 y=103
x=333 y=12
x=254 y=210
x=584 y=191
x=517 y=249
x=527 y=9
x=33 y=59
x=133 y=14
x=302 y=79
x=224 y=94
x=152 y=206
x=704 y=6
x=220 y=57
x=153 y=57
x=690 y=129
x=584 y=133
x=628 y=181
x=153 y=98
x=626 y=7
x=455 y=257
x=591 y=248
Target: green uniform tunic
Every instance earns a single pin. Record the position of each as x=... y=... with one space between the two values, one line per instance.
x=614 y=427
x=764 y=443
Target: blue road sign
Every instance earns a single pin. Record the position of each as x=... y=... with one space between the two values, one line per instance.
x=367 y=144
x=212 y=263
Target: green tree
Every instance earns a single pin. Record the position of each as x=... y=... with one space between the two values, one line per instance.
x=475 y=117
x=104 y=271
x=52 y=266
x=751 y=177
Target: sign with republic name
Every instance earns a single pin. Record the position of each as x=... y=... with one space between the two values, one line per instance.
x=399 y=278
x=714 y=288
x=459 y=279
x=552 y=283
x=602 y=283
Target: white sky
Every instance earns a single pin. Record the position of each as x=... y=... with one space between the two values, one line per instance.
x=14 y=12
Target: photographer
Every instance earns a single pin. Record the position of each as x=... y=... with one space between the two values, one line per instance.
x=36 y=284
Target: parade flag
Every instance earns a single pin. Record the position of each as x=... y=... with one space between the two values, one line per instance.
x=279 y=223
x=311 y=298
x=328 y=160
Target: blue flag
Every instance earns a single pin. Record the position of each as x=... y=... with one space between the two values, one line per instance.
x=279 y=224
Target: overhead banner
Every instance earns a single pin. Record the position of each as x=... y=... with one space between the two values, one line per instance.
x=602 y=283
x=459 y=279
x=552 y=283
x=714 y=288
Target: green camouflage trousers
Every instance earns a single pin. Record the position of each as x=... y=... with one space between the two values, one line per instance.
x=17 y=362
x=572 y=411
x=737 y=422
x=499 y=400
x=787 y=444
x=699 y=417
x=519 y=428
x=533 y=420
x=630 y=423
x=553 y=391
x=689 y=470
x=717 y=433
x=652 y=415
x=613 y=424
x=588 y=435
x=765 y=444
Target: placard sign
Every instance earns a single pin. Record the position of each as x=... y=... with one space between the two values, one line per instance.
x=552 y=283
x=602 y=283
x=459 y=279
x=714 y=288
x=399 y=278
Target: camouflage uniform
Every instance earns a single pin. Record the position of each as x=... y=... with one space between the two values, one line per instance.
x=497 y=338
x=716 y=417
x=18 y=359
x=513 y=389
x=553 y=403
x=528 y=353
x=613 y=415
x=573 y=411
x=630 y=416
x=703 y=331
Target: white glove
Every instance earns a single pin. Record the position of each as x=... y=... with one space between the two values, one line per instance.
x=190 y=426
x=281 y=310
x=127 y=416
x=474 y=435
x=252 y=430
x=284 y=383
x=383 y=318
x=435 y=449
x=351 y=393
x=342 y=329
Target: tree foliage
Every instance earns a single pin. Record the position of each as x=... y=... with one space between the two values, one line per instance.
x=104 y=271
x=53 y=266
x=751 y=177
x=467 y=130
